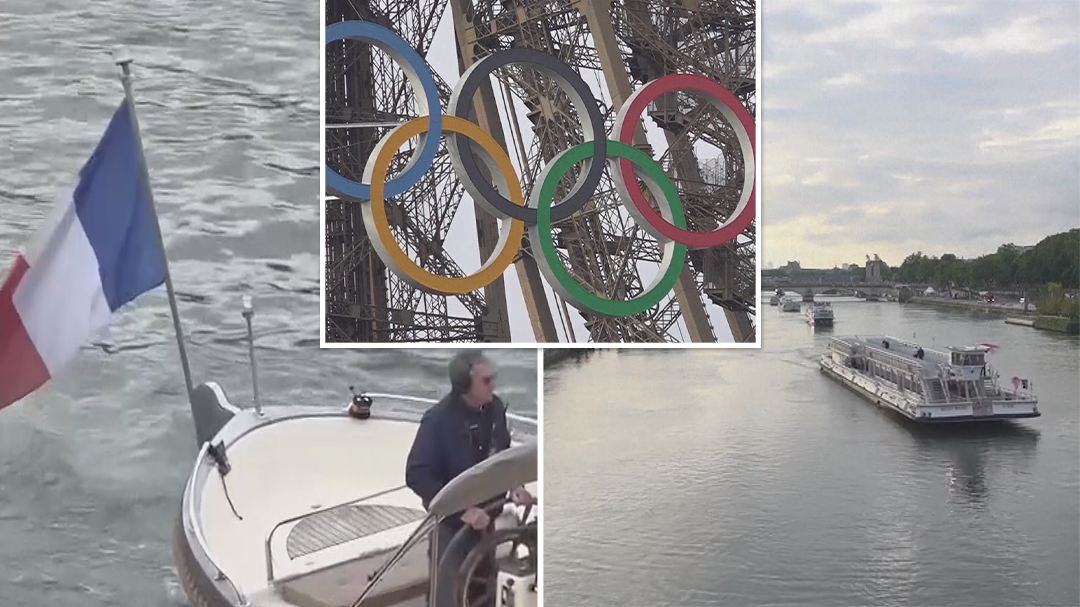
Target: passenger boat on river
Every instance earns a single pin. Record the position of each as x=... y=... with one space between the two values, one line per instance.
x=819 y=314
x=927 y=386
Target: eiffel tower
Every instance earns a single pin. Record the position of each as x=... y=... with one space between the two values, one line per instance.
x=618 y=44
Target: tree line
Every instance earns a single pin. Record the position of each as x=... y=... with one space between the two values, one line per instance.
x=1055 y=259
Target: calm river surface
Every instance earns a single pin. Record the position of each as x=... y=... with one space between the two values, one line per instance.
x=743 y=477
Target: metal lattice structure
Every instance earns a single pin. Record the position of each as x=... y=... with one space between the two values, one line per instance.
x=601 y=245
x=365 y=303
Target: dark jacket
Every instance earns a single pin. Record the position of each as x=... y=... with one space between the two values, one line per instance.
x=452 y=438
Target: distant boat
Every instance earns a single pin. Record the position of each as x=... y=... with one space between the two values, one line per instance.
x=819 y=314
x=927 y=386
x=790 y=304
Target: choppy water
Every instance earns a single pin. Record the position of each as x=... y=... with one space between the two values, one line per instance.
x=92 y=468
x=705 y=477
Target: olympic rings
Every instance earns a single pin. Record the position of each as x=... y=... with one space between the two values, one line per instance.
x=560 y=279
x=641 y=210
x=378 y=226
x=506 y=200
x=421 y=79
x=585 y=104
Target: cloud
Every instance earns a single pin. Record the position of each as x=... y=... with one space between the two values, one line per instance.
x=1060 y=133
x=917 y=125
x=848 y=79
x=1024 y=34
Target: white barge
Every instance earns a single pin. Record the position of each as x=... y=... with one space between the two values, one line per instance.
x=924 y=385
x=819 y=314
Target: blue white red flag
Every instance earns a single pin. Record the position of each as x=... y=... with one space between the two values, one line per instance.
x=99 y=250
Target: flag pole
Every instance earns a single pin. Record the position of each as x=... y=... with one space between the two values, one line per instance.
x=124 y=60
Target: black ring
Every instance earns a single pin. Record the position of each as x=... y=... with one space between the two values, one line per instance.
x=460 y=147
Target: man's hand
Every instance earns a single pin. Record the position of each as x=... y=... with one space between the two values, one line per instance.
x=476 y=518
x=521 y=496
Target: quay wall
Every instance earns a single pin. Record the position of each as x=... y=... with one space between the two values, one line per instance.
x=968 y=304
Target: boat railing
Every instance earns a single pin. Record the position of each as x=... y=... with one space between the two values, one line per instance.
x=895 y=360
x=267 y=545
x=430 y=401
x=932 y=353
x=842 y=345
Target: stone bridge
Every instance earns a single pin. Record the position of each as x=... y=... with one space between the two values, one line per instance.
x=809 y=289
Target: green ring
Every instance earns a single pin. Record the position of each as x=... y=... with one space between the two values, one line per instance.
x=552 y=266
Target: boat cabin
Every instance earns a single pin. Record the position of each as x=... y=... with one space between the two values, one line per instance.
x=968 y=363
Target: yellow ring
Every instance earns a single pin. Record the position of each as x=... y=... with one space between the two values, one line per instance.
x=387 y=246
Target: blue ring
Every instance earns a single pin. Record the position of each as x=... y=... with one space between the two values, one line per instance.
x=387 y=40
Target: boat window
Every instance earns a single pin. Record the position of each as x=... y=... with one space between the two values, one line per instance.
x=956 y=358
x=973 y=360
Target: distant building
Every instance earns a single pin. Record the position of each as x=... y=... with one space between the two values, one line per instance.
x=874 y=269
x=790 y=267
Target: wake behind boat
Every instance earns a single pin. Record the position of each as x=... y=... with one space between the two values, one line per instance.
x=927 y=386
x=306 y=506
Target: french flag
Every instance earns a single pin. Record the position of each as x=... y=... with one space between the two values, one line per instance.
x=99 y=250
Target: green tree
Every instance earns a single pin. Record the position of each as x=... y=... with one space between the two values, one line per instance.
x=1056 y=258
x=1053 y=301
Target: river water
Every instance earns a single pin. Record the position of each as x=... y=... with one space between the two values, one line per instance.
x=743 y=477
x=92 y=467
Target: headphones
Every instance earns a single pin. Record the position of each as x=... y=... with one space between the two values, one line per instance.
x=460 y=368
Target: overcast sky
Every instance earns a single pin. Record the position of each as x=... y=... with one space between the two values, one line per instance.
x=891 y=127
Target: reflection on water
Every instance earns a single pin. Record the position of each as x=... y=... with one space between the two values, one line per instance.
x=970 y=447
x=748 y=477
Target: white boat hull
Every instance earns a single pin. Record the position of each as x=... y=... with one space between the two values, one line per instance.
x=313 y=504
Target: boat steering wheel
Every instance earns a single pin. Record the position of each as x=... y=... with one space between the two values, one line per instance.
x=474 y=581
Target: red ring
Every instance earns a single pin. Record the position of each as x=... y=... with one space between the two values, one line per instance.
x=692 y=238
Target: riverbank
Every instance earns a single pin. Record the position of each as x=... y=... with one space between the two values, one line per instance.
x=1060 y=324
x=555 y=355
x=969 y=304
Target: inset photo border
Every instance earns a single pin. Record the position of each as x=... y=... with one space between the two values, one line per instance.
x=584 y=175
